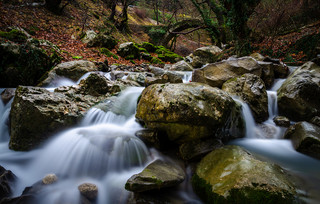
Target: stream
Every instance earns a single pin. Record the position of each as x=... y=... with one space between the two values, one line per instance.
x=104 y=150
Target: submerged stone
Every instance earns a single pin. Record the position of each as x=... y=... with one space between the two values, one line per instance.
x=157 y=175
x=232 y=175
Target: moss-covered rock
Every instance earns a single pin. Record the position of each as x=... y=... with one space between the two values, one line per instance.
x=102 y=40
x=232 y=175
x=305 y=138
x=22 y=64
x=156 y=60
x=14 y=35
x=187 y=112
x=129 y=51
x=157 y=175
x=148 y=46
x=108 y=53
x=166 y=55
x=216 y=74
x=251 y=89
x=298 y=97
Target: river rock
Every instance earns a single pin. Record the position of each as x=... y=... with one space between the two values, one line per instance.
x=191 y=111
x=195 y=150
x=167 y=77
x=315 y=120
x=103 y=40
x=204 y=55
x=129 y=50
x=7 y=95
x=181 y=66
x=73 y=70
x=6 y=179
x=251 y=89
x=298 y=97
x=89 y=190
x=257 y=56
x=36 y=113
x=216 y=74
x=281 y=121
x=232 y=175
x=267 y=73
x=305 y=138
x=49 y=179
x=157 y=175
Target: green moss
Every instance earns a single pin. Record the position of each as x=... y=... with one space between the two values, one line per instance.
x=148 y=46
x=77 y=57
x=14 y=35
x=108 y=53
x=141 y=49
x=156 y=60
x=132 y=61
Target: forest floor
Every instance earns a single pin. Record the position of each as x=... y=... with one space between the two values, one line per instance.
x=65 y=31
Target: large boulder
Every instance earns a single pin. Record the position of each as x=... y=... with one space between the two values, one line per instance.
x=232 y=175
x=251 y=89
x=298 y=97
x=157 y=175
x=103 y=40
x=204 y=55
x=73 y=70
x=187 y=112
x=305 y=138
x=216 y=74
x=129 y=50
x=36 y=113
x=22 y=64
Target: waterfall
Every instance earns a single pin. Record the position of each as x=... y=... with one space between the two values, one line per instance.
x=248 y=118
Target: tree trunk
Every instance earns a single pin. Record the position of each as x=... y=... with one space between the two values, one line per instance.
x=113 y=6
x=53 y=5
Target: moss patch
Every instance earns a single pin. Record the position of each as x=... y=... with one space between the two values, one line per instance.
x=14 y=35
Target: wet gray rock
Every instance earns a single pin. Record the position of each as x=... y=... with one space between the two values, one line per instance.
x=6 y=180
x=36 y=113
x=49 y=179
x=251 y=89
x=305 y=138
x=7 y=95
x=315 y=120
x=73 y=70
x=216 y=74
x=298 y=97
x=281 y=121
x=204 y=55
x=157 y=175
x=181 y=66
x=167 y=77
x=232 y=175
x=89 y=191
x=195 y=150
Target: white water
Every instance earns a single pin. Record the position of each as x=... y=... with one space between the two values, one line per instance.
x=105 y=152
x=265 y=140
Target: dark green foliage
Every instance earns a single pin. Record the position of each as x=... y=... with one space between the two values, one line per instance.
x=14 y=35
x=156 y=34
x=308 y=44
